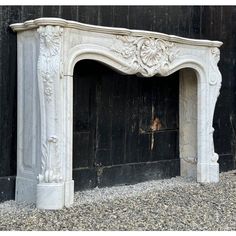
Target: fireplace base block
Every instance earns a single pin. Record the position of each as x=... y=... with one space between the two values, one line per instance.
x=50 y=196
x=25 y=190
x=211 y=173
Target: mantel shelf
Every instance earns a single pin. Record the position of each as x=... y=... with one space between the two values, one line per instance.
x=32 y=24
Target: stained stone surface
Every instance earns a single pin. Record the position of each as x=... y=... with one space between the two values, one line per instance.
x=174 y=204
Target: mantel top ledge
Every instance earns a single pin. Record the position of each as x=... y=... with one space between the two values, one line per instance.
x=32 y=24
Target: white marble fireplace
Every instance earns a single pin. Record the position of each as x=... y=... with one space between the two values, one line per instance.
x=47 y=51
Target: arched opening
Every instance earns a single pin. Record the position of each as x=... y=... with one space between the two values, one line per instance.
x=125 y=127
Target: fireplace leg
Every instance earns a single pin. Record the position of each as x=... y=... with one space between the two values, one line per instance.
x=50 y=196
x=208 y=173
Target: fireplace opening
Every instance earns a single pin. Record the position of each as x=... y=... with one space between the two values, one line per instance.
x=125 y=127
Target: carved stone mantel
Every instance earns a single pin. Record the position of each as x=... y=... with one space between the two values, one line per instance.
x=49 y=48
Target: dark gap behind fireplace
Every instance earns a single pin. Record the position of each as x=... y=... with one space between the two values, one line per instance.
x=125 y=128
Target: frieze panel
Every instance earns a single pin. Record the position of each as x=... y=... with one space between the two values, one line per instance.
x=148 y=56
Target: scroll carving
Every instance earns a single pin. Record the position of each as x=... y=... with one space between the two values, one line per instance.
x=215 y=84
x=215 y=57
x=214 y=156
x=216 y=54
x=148 y=56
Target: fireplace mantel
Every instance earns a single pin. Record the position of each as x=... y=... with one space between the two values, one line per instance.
x=47 y=51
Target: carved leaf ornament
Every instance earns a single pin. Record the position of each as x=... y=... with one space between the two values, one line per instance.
x=49 y=173
x=149 y=56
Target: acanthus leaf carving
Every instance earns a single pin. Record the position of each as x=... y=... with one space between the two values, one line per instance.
x=49 y=173
x=148 y=56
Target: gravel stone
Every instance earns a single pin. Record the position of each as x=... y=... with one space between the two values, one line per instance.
x=171 y=204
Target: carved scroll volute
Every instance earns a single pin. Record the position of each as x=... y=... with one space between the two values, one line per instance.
x=48 y=77
x=147 y=56
x=214 y=91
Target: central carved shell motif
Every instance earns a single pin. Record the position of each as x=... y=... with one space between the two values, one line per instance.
x=151 y=52
x=147 y=55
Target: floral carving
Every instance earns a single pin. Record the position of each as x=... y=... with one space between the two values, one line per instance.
x=149 y=56
x=49 y=65
x=50 y=40
x=50 y=46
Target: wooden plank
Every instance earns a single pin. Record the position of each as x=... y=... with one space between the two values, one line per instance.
x=165 y=145
x=195 y=28
x=118 y=119
x=145 y=119
x=174 y=17
x=138 y=172
x=84 y=110
x=69 y=13
x=7 y=186
x=31 y=12
x=88 y=14
x=104 y=118
x=8 y=91
x=145 y=20
x=106 y=16
x=132 y=120
x=85 y=178
x=119 y=21
x=51 y=11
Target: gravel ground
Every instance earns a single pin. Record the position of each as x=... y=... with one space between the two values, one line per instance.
x=173 y=204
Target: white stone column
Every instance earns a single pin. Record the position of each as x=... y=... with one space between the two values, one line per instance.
x=208 y=92
x=50 y=189
x=188 y=122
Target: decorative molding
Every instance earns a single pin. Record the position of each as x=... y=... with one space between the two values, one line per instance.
x=34 y=24
x=148 y=56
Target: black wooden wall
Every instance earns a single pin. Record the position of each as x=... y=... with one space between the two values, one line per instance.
x=125 y=127
x=203 y=22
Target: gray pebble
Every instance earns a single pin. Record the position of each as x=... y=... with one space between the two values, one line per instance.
x=171 y=204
